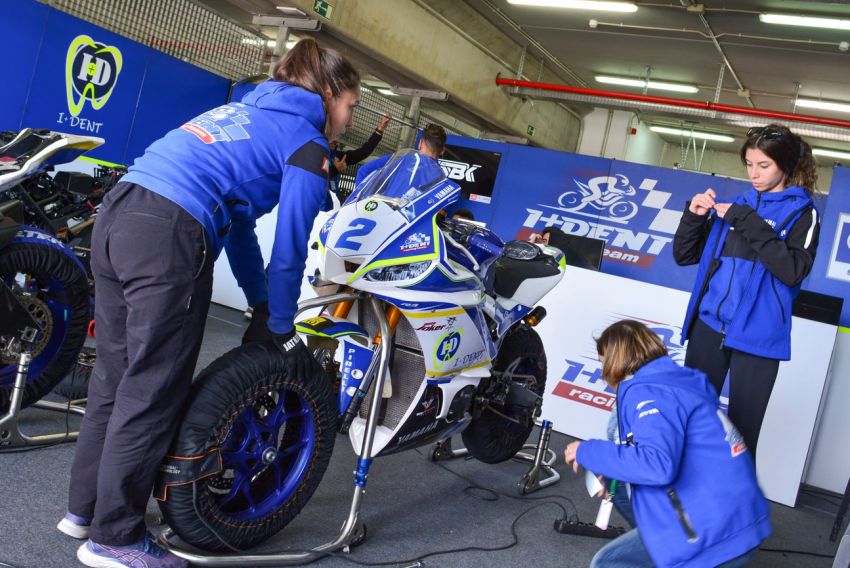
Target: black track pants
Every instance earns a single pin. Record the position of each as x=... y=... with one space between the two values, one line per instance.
x=153 y=279
x=751 y=379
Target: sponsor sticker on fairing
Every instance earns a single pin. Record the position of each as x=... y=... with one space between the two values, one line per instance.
x=416 y=241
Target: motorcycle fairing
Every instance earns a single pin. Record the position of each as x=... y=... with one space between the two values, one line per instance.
x=356 y=358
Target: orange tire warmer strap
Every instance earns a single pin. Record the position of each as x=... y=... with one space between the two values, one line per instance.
x=179 y=470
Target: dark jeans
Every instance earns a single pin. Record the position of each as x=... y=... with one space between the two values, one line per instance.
x=153 y=281
x=751 y=379
x=628 y=551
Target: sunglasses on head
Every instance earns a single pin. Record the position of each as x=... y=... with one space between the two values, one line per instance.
x=765 y=133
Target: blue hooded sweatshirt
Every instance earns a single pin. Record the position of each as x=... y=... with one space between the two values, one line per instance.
x=694 y=489
x=232 y=165
x=751 y=264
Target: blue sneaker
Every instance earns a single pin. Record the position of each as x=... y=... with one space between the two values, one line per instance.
x=143 y=554
x=74 y=526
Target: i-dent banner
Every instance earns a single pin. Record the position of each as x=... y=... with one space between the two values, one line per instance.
x=74 y=77
x=634 y=208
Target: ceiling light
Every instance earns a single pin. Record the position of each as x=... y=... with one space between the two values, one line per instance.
x=805 y=21
x=823 y=105
x=387 y=92
x=579 y=5
x=662 y=86
x=831 y=153
x=692 y=134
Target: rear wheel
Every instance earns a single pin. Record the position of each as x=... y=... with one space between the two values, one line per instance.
x=501 y=430
x=275 y=434
x=50 y=284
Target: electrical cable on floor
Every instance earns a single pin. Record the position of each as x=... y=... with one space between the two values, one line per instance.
x=804 y=552
x=4 y=565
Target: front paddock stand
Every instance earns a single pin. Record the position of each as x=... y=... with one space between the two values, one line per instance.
x=353 y=531
x=10 y=430
x=540 y=475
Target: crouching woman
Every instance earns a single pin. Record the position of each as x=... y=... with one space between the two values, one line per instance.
x=693 y=483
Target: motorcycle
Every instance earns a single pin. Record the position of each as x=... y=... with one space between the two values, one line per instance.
x=38 y=272
x=425 y=332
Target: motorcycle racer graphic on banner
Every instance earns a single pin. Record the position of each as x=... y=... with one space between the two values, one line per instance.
x=606 y=194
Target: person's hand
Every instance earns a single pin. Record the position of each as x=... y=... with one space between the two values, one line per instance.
x=298 y=358
x=721 y=209
x=570 y=455
x=382 y=124
x=258 y=329
x=340 y=163
x=702 y=203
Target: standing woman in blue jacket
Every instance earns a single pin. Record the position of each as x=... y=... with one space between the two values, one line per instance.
x=194 y=193
x=693 y=488
x=752 y=254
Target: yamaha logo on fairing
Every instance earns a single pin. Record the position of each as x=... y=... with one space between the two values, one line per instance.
x=91 y=72
x=460 y=171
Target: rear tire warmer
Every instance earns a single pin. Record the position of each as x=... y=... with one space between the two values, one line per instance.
x=48 y=265
x=491 y=438
x=246 y=404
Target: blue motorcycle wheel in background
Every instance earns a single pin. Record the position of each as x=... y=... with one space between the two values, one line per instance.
x=53 y=287
x=275 y=435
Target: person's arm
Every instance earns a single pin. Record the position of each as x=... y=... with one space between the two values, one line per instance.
x=302 y=194
x=789 y=260
x=691 y=236
x=658 y=425
x=359 y=154
x=246 y=260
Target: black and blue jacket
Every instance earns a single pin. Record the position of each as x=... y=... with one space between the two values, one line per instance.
x=232 y=165
x=751 y=265
x=694 y=489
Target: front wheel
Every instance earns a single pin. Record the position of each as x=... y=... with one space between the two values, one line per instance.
x=53 y=287
x=501 y=430
x=275 y=435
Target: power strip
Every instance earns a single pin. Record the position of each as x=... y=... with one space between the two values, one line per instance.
x=564 y=526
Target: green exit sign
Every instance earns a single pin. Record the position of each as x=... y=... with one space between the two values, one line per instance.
x=324 y=9
x=530 y=130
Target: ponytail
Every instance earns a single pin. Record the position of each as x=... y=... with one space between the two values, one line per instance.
x=316 y=69
x=805 y=173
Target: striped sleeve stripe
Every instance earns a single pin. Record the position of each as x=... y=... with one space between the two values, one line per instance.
x=811 y=232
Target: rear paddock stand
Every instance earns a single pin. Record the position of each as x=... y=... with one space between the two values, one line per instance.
x=540 y=475
x=10 y=430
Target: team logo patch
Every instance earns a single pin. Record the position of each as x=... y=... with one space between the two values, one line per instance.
x=326 y=164
x=371 y=205
x=223 y=124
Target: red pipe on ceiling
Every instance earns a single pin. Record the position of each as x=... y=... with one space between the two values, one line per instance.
x=706 y=105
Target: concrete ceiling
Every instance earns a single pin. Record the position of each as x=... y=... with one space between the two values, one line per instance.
x=768 y=60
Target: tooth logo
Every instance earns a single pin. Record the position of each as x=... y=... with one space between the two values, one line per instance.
x=91 y=71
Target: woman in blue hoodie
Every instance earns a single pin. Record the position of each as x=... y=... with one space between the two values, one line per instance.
x=195 y=192
x=752 y=254
x=693 y=489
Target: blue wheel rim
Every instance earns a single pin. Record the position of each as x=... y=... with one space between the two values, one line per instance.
x=51 y=291
x=265 y=456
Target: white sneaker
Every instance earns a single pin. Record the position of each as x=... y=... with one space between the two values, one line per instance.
x=74 y=526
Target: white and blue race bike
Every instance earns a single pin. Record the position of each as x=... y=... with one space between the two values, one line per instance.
x=424 y=333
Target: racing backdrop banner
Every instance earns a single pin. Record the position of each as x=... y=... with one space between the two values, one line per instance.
x=473 y=170
x=89 y=81
x=635 y=208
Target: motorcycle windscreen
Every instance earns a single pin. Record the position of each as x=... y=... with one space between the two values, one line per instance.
x=406 y=176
